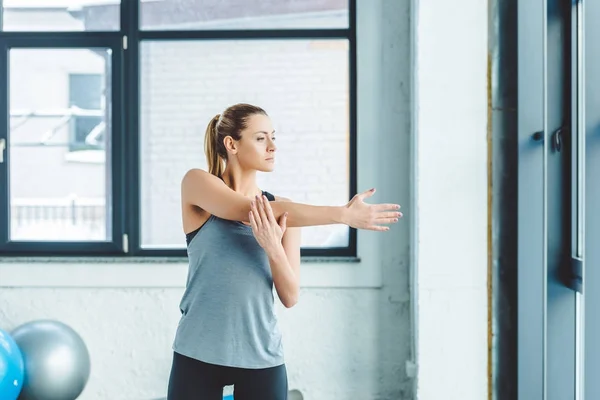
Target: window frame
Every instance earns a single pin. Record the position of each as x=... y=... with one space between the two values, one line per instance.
x=125 y=153
x=61 y=40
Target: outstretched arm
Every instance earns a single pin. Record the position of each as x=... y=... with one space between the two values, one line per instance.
x=210 y=193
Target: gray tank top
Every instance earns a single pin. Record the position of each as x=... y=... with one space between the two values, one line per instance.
x=228 y=315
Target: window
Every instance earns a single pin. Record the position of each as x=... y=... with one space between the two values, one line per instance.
x=306 y=77
x=243 y=14
x=60 y=15
x=558 y=157
x=105 y=119
x=50 y=198
x=87 y=124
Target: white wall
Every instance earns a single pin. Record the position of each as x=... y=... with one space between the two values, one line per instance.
x=349 y=336
x=451 y=191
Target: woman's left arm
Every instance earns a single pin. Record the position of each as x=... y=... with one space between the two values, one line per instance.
x=282 y=246
x=291 y=245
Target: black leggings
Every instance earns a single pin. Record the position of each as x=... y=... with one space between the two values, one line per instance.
x=196 y=380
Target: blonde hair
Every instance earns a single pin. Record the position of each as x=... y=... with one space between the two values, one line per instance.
x=229 y=123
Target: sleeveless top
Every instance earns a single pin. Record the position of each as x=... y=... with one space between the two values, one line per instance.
x=227 y=308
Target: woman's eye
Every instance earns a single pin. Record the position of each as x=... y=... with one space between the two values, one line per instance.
x=260 y=139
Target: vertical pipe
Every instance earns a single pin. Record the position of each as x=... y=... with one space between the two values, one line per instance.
x=503 y=107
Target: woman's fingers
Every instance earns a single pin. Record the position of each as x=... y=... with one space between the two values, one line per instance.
x=378 y=228
x=388 y=215
x=255 y=213
x=386 y=220
x=261 y=210
x=253 y=222
x=385 y=207
x=269 y=211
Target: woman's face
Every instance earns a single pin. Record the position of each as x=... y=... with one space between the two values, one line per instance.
x=256 y=149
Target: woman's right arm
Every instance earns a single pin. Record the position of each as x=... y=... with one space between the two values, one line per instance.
x=211 y=194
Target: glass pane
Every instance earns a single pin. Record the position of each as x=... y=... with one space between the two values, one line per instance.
x=243 y=14
x=59 y=119
x=61 y=15
x=302 y=84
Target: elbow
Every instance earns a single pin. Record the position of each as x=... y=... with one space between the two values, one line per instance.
x=290 y=301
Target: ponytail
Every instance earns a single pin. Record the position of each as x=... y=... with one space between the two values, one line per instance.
x=211 y=148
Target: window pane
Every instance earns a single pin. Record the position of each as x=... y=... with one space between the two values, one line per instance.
x=61 y=15
x=243 y=14
x=59 y=116
x=302 y=84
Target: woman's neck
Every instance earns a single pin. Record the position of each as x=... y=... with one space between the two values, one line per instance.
x=243 y=182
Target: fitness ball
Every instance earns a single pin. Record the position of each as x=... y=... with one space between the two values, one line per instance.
x=57 y=362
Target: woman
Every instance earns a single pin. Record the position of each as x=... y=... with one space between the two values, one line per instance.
x=242 y=241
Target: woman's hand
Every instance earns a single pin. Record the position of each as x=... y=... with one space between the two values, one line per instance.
x=267 y=230
x=361 y=215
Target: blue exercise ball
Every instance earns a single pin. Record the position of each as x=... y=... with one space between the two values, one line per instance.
x=11 y=367
x=56 y=359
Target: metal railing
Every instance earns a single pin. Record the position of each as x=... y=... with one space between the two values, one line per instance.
x=66 y=218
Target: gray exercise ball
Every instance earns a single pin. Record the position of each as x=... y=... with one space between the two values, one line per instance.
x=57 y=361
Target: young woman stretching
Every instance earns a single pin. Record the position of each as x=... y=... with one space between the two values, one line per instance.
x=241 y=241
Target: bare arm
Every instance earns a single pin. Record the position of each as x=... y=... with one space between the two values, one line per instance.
x=208 y=192
x=285 y=278
x=287 y=259
x=282 y=246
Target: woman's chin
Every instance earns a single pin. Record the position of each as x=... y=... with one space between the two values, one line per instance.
x=268 y=169
x=269 y=166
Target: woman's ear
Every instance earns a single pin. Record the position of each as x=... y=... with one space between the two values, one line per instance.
x=230 y=145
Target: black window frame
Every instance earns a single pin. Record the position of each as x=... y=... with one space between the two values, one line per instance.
x=124 y=149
